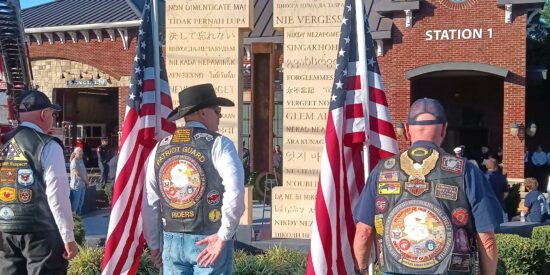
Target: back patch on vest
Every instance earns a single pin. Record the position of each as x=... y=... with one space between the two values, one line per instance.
x=12 y=151
x=182 y=181
x=418 y=234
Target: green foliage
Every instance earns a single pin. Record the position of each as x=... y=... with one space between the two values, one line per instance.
x=276 y=260
x=519 y=255
x=541 y=234
x=79 y=233
x=545 y=13
x=109 y=192
x=512 y=201
x=87 y=261
x=146 y=266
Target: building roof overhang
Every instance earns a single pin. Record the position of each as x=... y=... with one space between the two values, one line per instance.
x=457 y=66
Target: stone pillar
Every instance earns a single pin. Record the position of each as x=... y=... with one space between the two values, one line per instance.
x=312 y=30
x=204 y=45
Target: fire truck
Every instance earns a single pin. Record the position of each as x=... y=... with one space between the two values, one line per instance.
x=15 y=70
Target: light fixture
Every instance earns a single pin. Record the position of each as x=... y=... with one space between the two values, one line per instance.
x=514 y=129
x=532 y=130
x=399 y=129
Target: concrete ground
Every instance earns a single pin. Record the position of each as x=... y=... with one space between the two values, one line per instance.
x=250 y=238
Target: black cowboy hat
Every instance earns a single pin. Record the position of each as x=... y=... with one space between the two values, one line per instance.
x=195 y=98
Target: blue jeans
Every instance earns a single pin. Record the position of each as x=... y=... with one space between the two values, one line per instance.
x=77 y=199
x=179 y=256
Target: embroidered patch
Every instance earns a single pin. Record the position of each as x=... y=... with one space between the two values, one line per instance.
x=215 y=215
x=213 y=197
x=25 y=177
x=446 y=192
x=25 y=195
x=7 y=194
x=462 y=242
x=417 y=187
x=182 y=181
x=7 y=175
x=181 y=135
x=206 y=136
x=389 y=188
x=460 y=263
x=6 y=213
x=460 y=216
x=452 y=164
x=388 y=176
x=420 y=152
x=381 y=205
x=419 y=234
x=389 y=163
x=380 y=248
x=183 y=214
x=165 y=141
x=379 y=224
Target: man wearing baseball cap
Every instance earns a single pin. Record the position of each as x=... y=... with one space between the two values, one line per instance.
x=428 y=211
x=194 y=190
x=36 y=224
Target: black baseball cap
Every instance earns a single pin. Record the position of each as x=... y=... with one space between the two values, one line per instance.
x=427 y=106
x=35 y=100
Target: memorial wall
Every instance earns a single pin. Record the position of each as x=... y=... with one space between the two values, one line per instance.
x=204 y=45
x=311 y=34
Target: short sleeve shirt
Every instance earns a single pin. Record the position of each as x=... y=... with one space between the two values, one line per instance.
x=486 y=209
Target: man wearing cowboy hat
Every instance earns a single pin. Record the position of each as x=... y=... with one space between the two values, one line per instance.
x=195 y=189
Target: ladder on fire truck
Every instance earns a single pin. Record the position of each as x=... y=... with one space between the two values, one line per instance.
x=14 y=62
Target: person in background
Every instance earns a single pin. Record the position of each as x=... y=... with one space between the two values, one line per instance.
x=79 y=180
x=498 y=183
x=535 y=206
x=278 y=159
x=194 y=190
x=459 y=153
x=539 y=159
x=103 y=160
x=36 y=224
x=246 y=162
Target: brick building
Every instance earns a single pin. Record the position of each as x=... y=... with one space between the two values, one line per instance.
x=470 y=54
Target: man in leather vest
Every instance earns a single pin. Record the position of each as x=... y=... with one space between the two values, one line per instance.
x=36 y=224
x=427 y=211
x=194 y=190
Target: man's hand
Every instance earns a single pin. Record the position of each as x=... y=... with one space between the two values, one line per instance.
x=214 y=246
x=70 y=250
x=156 y=257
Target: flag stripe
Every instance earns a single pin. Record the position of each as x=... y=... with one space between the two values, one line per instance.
x=125 y=241
x=358 y=118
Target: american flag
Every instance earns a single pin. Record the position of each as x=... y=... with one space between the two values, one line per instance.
x=358 y=118
x=125 y=239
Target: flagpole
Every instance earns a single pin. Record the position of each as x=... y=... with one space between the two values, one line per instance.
x=362 y=52
x=156 y=50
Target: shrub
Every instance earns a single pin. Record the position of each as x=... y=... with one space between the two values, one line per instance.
x=87 y=261
x=146 y=266
x=276 y=260
x=512 y=200
x=79 y=233
x=519 y=255
x=541 y=235
x=108 y=188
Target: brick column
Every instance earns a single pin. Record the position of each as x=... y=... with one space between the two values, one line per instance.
x=514 y=111
x=122 y=98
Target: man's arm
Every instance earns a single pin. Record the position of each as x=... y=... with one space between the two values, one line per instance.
x=150 y=210
x=488 y=254
x=150 y=206
x=57 y=193
x=229 y=167
x=364 y=236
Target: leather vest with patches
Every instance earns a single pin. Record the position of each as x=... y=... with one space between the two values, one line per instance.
x=423 y=219
x=23 y=203
x=189 y=185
